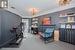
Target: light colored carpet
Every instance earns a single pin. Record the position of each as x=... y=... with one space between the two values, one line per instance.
x=34 y=43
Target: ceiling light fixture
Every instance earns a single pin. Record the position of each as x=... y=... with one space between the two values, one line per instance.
x=3 y=4
x=64 y=2
x=33 y=11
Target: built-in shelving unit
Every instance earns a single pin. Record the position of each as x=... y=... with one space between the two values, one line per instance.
x=70 y=17
x=35 y=21
x=67 y=29
x=34 y=25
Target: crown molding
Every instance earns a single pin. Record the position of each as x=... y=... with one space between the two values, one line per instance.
x=56 y=10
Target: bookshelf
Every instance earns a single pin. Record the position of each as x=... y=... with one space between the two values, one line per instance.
x=34 y=25
x=35 y=21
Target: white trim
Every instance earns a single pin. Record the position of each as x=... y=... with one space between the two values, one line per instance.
x=57 y=9
x=46 y=12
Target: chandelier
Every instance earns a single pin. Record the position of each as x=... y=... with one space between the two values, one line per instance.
x=4 y=3
x=33 y=11
x=64 y=2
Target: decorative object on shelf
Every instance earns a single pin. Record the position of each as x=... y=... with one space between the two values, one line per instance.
x=35 y=19
x=63 y=15
x=68 y=26
x=71 y=14
x=62 y=26
x=64 y=2
x=71 y=17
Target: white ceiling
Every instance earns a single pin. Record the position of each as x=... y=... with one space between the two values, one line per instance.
x=45 y=6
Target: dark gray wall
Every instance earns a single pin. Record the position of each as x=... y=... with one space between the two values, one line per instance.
x=0 y=3
x=55 y=17
x=29 y=25
x=9 y=20
x=0 y=28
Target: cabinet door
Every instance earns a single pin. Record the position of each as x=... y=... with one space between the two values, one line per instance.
x=62 y=34
x=71 y=32
x=3 y=33
x=68 y=35
x=73 y=37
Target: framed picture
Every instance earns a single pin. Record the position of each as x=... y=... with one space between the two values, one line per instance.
x=46 y=21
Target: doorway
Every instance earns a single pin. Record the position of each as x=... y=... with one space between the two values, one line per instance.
x=25 y=27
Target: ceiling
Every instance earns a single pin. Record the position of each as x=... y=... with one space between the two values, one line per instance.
x=21 y=7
